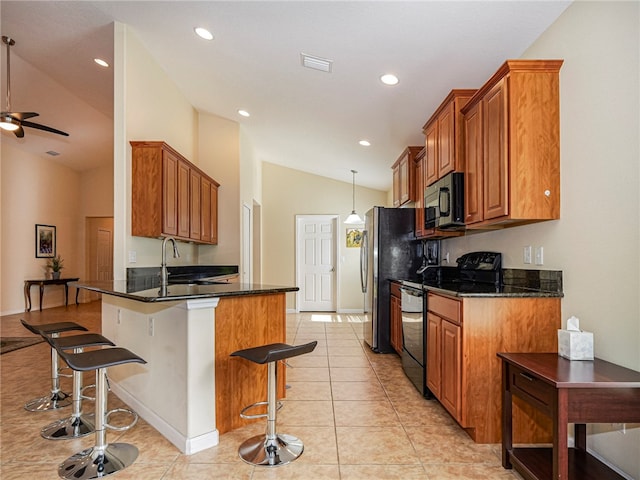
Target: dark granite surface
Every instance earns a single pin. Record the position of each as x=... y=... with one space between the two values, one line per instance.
x=515 y=283
x=180 y=292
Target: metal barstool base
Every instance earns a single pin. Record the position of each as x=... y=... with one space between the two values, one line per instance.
x=98 y=463
x=257 y=450
x=70 y=427
x=50 y=402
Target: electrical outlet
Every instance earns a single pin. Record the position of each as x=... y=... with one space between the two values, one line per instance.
x=539 y=255
x=119 y=317
x=132 y=256
x=151 y=326
x=527 y=254
x=446 y=257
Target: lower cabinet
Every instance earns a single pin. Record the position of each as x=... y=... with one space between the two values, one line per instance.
x=464 y=373
x=396 y=318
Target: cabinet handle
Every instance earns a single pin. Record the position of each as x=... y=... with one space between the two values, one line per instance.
x=528 y=377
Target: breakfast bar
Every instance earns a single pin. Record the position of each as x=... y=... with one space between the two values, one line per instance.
x=191 y=390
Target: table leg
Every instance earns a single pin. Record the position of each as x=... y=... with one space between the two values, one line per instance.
x=507 y=419
x=560 y=425
x=66 y=295
x=77 y=290
x=41 y=293
x=580 y=436
x=27 y=297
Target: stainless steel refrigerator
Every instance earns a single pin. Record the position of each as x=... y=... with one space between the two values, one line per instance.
x=389 y=251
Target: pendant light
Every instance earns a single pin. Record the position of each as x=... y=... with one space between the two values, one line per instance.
x=354 y=218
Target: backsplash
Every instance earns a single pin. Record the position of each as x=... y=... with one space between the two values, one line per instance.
x=144 y=278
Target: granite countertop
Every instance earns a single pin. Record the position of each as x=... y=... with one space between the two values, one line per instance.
x=177 y=292
x=516 y=283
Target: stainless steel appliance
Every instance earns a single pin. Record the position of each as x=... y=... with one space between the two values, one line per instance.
x=444 y=203
x=413 y=305
x=389 y=252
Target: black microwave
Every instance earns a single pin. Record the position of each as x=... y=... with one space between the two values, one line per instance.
x=444 y=203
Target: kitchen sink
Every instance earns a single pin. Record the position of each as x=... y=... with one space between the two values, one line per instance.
x=193 y=282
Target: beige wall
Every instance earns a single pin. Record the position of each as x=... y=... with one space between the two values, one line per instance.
x=36 y=190
x=287 y=193
x=596 y=243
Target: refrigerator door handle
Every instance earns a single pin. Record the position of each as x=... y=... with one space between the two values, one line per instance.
x=364 y=264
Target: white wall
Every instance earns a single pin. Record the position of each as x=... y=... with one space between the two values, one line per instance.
x=287 y=193
x=596 y=243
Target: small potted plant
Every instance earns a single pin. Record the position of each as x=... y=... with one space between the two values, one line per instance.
x=55 y=264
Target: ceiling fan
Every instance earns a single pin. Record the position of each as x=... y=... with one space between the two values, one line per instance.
x=14 y=121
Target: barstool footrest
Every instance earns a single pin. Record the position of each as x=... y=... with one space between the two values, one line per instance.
x=120 y=410
x=282 y=450
x=97 y=463
x=279 y=405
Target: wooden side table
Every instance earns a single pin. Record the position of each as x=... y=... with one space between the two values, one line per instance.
x=578 y=392
x=41 y=283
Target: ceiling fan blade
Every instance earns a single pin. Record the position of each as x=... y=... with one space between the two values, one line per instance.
x=21 y=115
x=44 y=127
x=19 y=132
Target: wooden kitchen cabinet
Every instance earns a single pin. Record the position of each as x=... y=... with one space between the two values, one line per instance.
x=167 y=193
x=464 y=334
x=404 y=177
x=419 y=168
x=396 y=318
x=444 y=139
x=512 y=146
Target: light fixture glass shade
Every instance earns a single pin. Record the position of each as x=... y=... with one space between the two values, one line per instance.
x=353 y=217
x=9 y=124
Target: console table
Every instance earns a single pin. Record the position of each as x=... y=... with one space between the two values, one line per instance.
x=42 y=282
x=578 y=392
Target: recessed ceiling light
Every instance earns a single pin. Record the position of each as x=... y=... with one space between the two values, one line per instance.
x=389 y=79
x=53 y=153
x=364 y=143
x=203 y=33
x=101 y=62
x=244 y=113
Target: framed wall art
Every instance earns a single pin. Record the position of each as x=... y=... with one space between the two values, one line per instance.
x=45 y=241
x=354 y=237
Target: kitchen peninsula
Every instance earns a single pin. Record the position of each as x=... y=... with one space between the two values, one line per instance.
x=190 y=390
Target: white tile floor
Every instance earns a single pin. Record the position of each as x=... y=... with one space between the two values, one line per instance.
x=358 y=415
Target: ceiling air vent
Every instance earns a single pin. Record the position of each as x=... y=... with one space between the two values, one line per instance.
x=316 y=63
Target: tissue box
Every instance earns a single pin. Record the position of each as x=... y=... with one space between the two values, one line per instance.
x=575 y=345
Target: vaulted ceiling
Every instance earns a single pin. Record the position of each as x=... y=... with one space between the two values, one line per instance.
x=300 y=118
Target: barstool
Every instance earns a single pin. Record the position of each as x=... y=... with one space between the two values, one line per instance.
x=78 y=424
x=103 y=458
x=57 y=398
x=272 y=449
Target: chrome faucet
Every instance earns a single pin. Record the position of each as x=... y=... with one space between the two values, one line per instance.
x=164 y=273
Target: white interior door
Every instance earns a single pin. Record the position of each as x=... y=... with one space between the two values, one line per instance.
x=316 y=240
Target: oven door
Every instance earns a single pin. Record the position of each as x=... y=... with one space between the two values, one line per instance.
x=413 y=351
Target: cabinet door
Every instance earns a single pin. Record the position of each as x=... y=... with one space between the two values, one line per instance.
x=431 y=154
x=169 y=193
x=446 y=141
x=473 y=186
x=214 y=213
x=205 y=210
x=451 y=368
x=195 y=222
x=396 y=324
x=434 y=344
x=183 y=199
x=495 y=161
x=396 y=186
x=419 y=176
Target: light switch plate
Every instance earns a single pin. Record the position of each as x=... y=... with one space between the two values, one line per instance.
x=132 y=256
x=527 y=254
x=539 y=256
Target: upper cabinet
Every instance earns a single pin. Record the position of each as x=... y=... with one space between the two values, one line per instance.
x=444 y=139
x=171 y=196
x=512 y=146
x=419 y=166
x=404 y=177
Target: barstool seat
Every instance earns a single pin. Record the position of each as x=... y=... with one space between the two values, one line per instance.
x=78 y=424
x=271 y=449
x=57 y=398
x=103 y=458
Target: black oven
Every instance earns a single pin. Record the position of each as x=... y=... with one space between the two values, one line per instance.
x=413 y=304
